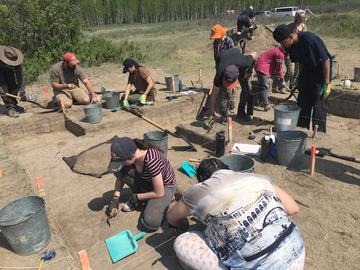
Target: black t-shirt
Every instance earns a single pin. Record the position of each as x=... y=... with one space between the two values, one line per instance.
x=232 y=56
x=310 y=52
x=249 y=13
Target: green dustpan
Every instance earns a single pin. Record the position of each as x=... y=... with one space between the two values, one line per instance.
x=122 y=244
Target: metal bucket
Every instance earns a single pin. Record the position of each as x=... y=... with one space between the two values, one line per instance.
x=171 y=82
x=286 y=116
x=25 y=225
x=290 y=146
x=112 y=100
x=158 y=139
x=239 y=163
x=93 y=113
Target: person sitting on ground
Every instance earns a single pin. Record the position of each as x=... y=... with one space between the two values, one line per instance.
x=149 y=175
x=233 y=66
x=314 y=77
x=246 y=218
x=268 y=63
x=64 y=78
x=292 y=70
x=221 y=41
x=11 y=78
x=245 y=21
x=140 y=78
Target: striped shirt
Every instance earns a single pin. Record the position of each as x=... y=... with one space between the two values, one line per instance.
x=156 y=163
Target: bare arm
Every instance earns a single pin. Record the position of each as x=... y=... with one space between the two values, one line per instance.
x=327 y=71
x=158 y=192
x=127 y=91
x=176 y=214
x=57 y=85
x=213 y=96
x=150 y=82
x=291 y=207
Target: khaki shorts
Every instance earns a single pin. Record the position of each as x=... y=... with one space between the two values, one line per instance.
x=76 y=95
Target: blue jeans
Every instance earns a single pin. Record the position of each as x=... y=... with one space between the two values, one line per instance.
x=263 y=89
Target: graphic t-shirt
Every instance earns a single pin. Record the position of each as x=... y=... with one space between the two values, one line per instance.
x=242 y=213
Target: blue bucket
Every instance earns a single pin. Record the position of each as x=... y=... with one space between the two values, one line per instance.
x=93 y=113
x=112 y=100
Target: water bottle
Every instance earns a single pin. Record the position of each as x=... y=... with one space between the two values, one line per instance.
x=220 y=143
x=265 y=148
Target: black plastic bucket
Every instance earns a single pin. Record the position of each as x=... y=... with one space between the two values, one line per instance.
x=158 y=139
x=25 y=225
x=290 y=146
x=239 y=163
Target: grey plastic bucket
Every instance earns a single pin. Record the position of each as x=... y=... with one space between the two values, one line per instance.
x=290 y=146
x=93 y=113
x=286 y=116
x=112 y=100
x=239 y=163
x=158 y=139
x=25 y=225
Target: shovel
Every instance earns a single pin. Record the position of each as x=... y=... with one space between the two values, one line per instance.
x=71 y=126
x=321 y=152
x=123 y=244
x=19 y=99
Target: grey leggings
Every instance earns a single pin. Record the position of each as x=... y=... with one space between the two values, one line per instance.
x=155 y=208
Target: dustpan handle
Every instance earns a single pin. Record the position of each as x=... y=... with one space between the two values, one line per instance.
x=138 y=236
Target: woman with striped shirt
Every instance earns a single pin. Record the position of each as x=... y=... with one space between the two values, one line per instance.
x=149 y=175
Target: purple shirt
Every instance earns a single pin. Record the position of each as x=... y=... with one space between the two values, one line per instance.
x=270 y=62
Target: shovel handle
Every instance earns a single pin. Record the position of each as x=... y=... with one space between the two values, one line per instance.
x=140 y=235
x=13 y=96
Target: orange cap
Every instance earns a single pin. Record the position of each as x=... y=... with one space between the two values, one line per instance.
x=217 y=31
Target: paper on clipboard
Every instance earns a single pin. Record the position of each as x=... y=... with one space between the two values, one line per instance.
x=241 y=148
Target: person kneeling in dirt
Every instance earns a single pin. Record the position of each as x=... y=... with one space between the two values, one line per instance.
x=11 y=79
x=140 y=78
x=64 y=78
x=314 y=77
x=150 y=176
x=246 y=218
x=233 y=65
x=245 y=21
x=269 y=63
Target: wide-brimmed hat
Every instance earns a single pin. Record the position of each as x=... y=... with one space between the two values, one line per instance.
x=11 y=56
x=217 y=31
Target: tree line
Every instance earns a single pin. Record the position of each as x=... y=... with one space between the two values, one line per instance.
x=102 y=12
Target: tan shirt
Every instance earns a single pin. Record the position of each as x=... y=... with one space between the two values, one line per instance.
x=63 y=75
x=138 y=79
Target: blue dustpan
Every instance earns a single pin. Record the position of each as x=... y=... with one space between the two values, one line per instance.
x=122 y=244
x=188 y=168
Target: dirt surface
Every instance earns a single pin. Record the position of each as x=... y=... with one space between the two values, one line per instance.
x=329 y=219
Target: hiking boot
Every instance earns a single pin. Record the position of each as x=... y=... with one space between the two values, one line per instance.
x=223 y=119
x=129 y=206
x=245 y=118
x=20 y=109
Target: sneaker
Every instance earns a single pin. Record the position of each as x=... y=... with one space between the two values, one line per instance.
x=267 y=108
x=223 y=119
x=20 y=109
x=129 y=206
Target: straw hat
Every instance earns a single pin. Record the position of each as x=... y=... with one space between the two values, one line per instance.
x=11 y=56
x=217 y=31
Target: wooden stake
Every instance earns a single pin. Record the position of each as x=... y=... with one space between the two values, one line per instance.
x=173 y=84
x=338 y=70
x=230 y=130
x=84 y=260
x=200 y=78
x=313 y=158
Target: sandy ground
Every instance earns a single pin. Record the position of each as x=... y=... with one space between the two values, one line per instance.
x=329 y=218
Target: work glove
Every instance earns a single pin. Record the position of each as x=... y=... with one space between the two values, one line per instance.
x=325 y=90
x=114 y=206
x=23 y=98
x=142 y=99
x=126 y=103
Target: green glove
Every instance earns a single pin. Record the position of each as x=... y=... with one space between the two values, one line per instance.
x=126 y=103
x=325 y=90
x=142 y=99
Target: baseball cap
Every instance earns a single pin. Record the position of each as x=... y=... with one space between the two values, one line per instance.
x=281 y=33
x=128 y=63
x=231 y=74
x=70 y=58
x=122 y=149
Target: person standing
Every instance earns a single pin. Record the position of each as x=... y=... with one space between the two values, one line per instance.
x=149 y=175
x=234 y=66
x=140 y=78
x=297 y=26
x=246 y=218
x=64 y=78
x=12 y=78
x=221 y=41
x=268 y=64
x=314 y=76
x=245 y=20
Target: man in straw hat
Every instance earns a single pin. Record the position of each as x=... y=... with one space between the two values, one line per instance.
x=11 y=78
x=64 y=78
